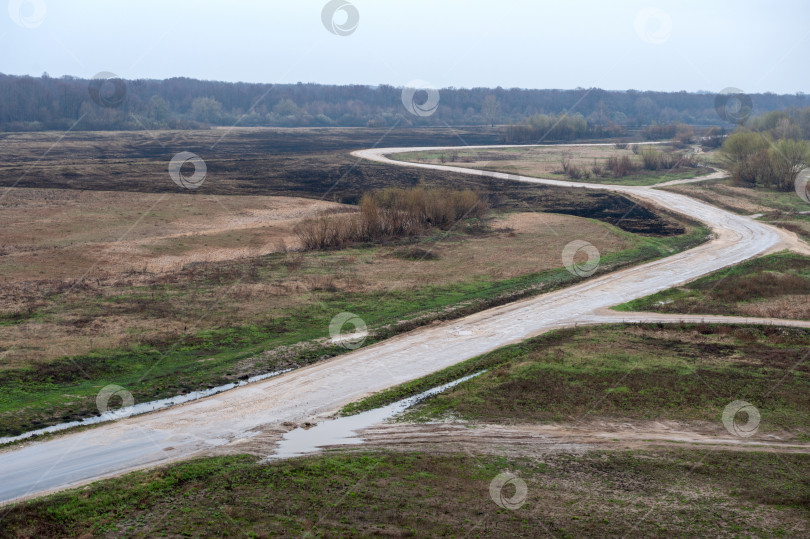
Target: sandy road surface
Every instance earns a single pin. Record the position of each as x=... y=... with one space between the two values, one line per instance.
x=316 y=391
x=713 y=176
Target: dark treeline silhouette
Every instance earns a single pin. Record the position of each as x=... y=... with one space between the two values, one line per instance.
x=45 y=103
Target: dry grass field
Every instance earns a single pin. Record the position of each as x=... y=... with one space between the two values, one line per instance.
x=65 y=234
x=547 y=162
x=82 y=260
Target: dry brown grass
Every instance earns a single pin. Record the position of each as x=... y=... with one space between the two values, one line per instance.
x=63 y=234
x=119 y=304
x=794 y=307
x=593 y=163
x=537 y=161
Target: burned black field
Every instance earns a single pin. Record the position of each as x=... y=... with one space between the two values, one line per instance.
x=310 y=163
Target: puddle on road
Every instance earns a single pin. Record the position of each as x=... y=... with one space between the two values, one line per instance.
x=343 y=430
x=142 y=408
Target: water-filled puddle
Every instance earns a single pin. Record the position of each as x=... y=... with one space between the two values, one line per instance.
x=343 y=430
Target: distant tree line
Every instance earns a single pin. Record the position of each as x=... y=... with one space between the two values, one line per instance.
x=559 y=127
x=770 y=150
x=46 y=103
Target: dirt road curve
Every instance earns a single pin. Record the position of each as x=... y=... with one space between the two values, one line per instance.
x=316 y=391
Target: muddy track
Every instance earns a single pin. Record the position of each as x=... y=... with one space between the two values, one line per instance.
x=531 y=440
x=231 y=420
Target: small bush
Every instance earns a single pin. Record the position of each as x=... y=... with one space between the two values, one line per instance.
x=653 y=159
x=574 y=172
x=621 y=166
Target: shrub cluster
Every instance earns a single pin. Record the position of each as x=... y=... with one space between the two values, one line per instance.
x=624 y=165
x=392 y=213
x=756 y=159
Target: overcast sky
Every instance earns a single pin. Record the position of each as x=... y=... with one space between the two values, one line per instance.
x=646 y=45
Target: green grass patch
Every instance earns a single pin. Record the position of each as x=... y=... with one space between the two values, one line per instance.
x=732 y=291
x=645 y=372
x=597 y=494
x=447 y=375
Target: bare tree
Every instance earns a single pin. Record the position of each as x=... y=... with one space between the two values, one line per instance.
x=788 y=159
x=490 y=109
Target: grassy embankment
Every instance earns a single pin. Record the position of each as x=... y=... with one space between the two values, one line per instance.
x=685 y=373
x=774 y=286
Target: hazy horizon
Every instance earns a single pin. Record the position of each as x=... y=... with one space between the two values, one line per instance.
x=371 y=85
x=645 y=46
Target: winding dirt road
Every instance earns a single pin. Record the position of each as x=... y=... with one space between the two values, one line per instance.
x=233 y=419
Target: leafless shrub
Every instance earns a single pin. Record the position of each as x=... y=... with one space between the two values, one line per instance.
x=565 y=161
x=653 y=159
x=294 y=262
x=576 y=173
x=392 y=213
x=325 y=283
x=684 y=135
x=621 y=166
